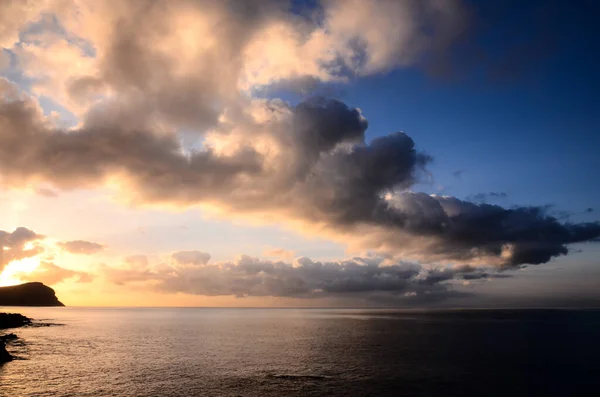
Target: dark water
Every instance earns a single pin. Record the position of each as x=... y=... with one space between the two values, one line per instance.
x=301 y=352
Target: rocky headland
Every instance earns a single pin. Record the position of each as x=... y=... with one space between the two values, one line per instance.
x=28 y=294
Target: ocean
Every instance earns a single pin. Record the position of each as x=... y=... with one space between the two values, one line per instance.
x=303 y=352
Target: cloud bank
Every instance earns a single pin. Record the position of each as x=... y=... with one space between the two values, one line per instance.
x=166 y=112
x=371 y=277
x=368 y=278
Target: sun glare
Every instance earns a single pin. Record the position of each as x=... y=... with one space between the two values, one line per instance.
x=10 y=275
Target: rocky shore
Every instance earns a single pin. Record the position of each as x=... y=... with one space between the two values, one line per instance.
x=4 y=355
x=28 y=294
x=10 y=320
x=13 y=320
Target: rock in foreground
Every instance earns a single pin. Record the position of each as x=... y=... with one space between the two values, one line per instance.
x=28 y=294
x=13 y=320
x=4 y=356
x=10 y=320
x=8 y=337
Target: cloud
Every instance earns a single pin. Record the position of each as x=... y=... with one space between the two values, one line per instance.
x=142 y=85
x=21 y=243
x=49 y=273
x=14 y=15
x=191 y=258
x=305 y=278
x=470 y=232
x=279 y=253
x=81 y=247
x=45 y=192
x=4 y=60
x=159 y=66
x=136 y=269
x=309 y=163
x=137 y=262
x=25 y=243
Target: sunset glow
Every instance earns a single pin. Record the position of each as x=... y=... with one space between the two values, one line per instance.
x=340 y=152
x=12 y=271
x=291 y=198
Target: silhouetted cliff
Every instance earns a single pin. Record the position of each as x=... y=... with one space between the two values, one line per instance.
x=28 y=294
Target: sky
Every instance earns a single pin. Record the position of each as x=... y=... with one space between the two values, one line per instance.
x=301 y=153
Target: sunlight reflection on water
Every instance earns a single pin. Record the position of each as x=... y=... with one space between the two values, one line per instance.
x=275 y=352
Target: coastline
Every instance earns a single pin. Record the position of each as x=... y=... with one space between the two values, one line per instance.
x=28 y=294
x=9 y=321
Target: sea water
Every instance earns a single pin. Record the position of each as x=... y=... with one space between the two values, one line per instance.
x=303 y=352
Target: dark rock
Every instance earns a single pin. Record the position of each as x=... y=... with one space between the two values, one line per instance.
x=7 y=337
x=4 y=355
x=13 y=320
x=28 y=294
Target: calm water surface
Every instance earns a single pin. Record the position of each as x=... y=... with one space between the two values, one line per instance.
x=304 y=352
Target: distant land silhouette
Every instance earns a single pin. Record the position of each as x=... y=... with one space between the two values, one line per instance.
x=28 y=294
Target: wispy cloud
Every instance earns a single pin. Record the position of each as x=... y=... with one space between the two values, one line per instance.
x=50 y=274
x=279 y=253
x=81 y=247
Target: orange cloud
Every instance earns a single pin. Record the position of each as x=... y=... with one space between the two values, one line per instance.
x=49 y=273
x=21 y=243
x=279 y=253
x=81 y=247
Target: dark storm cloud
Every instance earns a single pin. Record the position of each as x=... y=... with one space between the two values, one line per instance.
x=81 y=247
x=320 y=124
x=520 y=235
x=347 y=185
